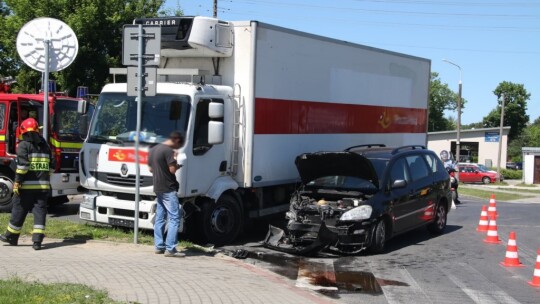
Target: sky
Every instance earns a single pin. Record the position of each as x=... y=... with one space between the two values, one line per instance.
x=491 y=40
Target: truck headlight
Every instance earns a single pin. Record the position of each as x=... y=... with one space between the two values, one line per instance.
x=359 y=213
x=89 y=201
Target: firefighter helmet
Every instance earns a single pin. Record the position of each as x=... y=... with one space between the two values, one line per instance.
x=29 y=125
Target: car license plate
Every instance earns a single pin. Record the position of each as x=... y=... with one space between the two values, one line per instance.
x=121 y=222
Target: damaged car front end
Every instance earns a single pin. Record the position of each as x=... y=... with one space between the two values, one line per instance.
x=332 y=209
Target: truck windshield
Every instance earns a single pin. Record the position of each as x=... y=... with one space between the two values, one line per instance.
x=67 y=122
x=115 y=118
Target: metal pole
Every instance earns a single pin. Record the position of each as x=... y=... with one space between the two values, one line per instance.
x=215 y=8
x=503 y=101
x=458 y=124
x=47 y=42
x=138 y=132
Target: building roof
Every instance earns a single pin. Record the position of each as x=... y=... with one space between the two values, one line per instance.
x=471 y=130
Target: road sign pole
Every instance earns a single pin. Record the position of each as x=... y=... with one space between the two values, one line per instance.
x=138 y=132
x=47 y=43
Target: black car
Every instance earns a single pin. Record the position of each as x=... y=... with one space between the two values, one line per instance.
x=514 y=166
x=360 y=198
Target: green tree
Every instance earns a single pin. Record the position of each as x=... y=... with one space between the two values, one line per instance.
x=515 y=109
x=98 y=25
x=441 y=98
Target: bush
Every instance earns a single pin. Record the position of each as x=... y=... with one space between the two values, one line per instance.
x=512 y=174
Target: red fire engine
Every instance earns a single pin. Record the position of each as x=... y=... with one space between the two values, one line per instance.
x=65 y=140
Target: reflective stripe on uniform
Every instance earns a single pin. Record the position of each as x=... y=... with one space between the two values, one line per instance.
x=14 y=231
x=39 y=159
x=42 y=231
x=21 y=169
x=39 y=227
x=44 y=155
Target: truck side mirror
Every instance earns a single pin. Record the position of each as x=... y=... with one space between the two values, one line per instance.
x=215 y=132
x=215 y=110
x=82 y=106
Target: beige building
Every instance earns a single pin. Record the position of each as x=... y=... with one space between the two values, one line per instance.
x=477 y=145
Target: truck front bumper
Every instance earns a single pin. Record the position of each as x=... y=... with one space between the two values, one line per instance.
x=116 y=212
x=65 y=184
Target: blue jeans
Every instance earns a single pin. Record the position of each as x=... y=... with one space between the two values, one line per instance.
x=168 y=208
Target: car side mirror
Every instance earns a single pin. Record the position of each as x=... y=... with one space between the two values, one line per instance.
x=399 y=183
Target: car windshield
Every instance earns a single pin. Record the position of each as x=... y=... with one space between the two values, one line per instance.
x=67 y=122
x=115 y=118
x=482 y=168
x=340 y=182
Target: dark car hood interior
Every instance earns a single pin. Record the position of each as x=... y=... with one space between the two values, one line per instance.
x=320 y=164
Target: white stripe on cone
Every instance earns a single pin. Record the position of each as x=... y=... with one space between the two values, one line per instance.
x=511 y=254
x=537 y=272
x=492 y=233
x=483 y=223
x=511 y=242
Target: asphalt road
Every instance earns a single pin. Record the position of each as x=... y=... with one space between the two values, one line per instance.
x=456 y=267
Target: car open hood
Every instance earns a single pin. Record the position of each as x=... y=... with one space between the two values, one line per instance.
x=320 y=164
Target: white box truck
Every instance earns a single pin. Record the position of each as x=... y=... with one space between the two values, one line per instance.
x=249 y=97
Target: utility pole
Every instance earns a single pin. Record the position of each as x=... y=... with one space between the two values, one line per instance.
x=215 y=8
x=503 y=101
x=458 y=126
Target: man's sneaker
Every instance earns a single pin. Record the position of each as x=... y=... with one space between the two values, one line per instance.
x=6 y=239
x=174 y=254
x=159 y=251
x=36 y=246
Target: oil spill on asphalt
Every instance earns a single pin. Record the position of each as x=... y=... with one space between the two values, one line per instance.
x=321 y=276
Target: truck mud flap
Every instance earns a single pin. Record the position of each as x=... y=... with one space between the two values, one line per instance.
x=276 y=239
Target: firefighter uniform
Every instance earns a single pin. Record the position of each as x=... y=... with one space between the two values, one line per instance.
x=32 y=186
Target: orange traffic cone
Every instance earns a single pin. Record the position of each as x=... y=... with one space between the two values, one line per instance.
x=492 y=210
x=536 y=276
x=492 y=236
x=483 y=224
x=511 y=259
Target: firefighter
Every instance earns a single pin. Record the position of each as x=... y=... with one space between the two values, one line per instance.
x=32 y=185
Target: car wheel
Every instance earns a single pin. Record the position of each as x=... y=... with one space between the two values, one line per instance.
x=438 y=226
x=6 y=193
x=222 y=220
x=486 y=180
x=378 y=238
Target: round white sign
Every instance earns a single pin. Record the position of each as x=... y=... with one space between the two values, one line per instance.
x=63 y=44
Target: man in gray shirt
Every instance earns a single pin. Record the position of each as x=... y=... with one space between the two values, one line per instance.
x=163 y=165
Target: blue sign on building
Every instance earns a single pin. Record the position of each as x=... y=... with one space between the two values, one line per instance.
x=491 y=137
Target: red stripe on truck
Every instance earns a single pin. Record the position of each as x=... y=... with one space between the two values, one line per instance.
x=276 y=116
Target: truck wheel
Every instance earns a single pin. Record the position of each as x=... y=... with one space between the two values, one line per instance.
x=6 y=193
x=222 y=221
x=378 y=238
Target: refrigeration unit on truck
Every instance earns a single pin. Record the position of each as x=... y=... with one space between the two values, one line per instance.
x=65 y=140
x=249 y=97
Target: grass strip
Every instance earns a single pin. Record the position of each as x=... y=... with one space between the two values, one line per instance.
x=17 y=291
x=486 y=194
x=68 y=230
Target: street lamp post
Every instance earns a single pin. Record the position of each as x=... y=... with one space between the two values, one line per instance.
x=458 y=125
x=503 y=101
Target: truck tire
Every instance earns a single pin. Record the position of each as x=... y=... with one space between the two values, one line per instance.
x=6 y=193
x=222 y=220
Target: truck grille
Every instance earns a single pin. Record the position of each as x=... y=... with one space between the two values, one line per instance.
x=118 y=180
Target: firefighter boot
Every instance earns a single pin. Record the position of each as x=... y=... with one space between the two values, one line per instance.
x=36 y=245
x=11 y=238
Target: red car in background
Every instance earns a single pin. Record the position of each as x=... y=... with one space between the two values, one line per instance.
x=470 y=173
